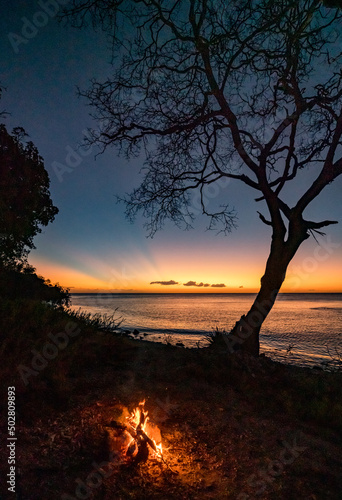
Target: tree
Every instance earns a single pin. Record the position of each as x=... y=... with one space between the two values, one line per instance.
x=25 y=202
x=23 y=283
x=245 y=90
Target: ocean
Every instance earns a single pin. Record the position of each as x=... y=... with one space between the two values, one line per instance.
x=301 y=329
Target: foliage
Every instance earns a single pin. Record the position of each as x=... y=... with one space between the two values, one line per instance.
x=28 y=324
x=217 y=339
x=23 y=283
x=25 y=202
x=105 y=322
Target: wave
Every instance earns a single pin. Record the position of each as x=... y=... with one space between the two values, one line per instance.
x=326 y=308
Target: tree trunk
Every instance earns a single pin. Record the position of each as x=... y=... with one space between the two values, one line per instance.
x=245 y=334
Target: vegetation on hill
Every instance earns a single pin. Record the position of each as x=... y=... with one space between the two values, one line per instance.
x=224 y=418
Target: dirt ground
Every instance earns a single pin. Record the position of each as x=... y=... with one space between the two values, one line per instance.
x=232 y=427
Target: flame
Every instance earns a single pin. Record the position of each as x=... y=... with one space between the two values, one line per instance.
x=135 y=417
x=139 y=420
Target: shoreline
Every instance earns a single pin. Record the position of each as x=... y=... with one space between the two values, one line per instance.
x=222 y=418
x=296 y=332
x=283 y=356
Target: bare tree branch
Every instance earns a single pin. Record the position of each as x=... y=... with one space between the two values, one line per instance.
x=213 y=90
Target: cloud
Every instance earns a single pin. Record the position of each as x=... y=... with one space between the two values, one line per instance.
x=190 y=283
x=219 y=285
x=194 y=283
x=241 y=286
x=171 y=282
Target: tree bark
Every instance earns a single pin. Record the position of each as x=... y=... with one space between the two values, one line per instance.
x=245 y=334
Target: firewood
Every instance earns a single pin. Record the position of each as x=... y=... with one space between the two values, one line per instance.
x=148 y=440
x=143 y=451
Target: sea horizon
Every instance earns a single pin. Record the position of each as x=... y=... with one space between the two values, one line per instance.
x=200 y=293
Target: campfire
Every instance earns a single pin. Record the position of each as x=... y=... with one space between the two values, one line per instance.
x=134 y=438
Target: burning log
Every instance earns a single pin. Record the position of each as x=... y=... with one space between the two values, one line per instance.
x=144 y=437
x=134 y=439
x=138 y=421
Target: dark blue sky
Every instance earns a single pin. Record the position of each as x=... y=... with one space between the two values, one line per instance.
x=91 y=245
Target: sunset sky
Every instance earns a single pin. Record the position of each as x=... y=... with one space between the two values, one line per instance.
x=91 y=246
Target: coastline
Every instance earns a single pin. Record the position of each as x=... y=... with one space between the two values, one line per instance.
x=303 y=329
x=222 y=419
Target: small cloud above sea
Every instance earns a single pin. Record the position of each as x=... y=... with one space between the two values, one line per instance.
x=194 y=283
x=190 y=283
x=170 y=282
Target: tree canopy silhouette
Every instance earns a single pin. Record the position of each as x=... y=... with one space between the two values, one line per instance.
x=25 y=202
x=245 y=90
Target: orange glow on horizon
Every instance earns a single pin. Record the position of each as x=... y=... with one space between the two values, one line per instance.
x=237 y=279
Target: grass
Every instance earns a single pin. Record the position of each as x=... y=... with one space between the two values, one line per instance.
x=235 y=408
x=100 y=322
x=27 y=328
x=217 y=339
x=28 y=325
